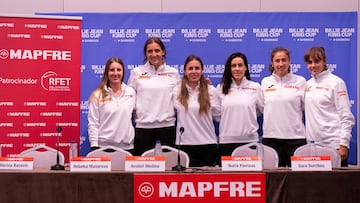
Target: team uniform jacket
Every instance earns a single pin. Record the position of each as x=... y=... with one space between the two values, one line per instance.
x=327 y=110
x=199 y=128
x=110 y=118
x=239 y=111
x=154 y=104
x=283 y=106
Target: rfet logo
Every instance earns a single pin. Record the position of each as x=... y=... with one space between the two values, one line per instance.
x=50 y=81
x=200 y=188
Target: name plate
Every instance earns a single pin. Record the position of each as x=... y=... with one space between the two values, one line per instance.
x=145 y=163
x=16 y=163
x=90 y=164
x=241 y=163
x=311 y=163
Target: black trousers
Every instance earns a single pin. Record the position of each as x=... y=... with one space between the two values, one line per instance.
x=227 y=149
x=201 y=155
x=285 y=148
x=145 y=138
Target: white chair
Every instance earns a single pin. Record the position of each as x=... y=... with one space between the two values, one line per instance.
x=117 y=156
x=271 y=158
x=44 y=156
x=321 y=150
x=171 y=156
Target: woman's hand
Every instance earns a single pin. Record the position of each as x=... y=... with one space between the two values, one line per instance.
x=344 y=152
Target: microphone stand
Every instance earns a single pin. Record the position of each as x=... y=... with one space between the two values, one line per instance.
x=179 y=167
x=58 y=166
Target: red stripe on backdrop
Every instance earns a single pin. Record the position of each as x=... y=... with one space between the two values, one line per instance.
x=40 y=62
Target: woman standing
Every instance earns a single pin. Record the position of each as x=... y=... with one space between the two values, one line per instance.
x=241 y=103
x=327 y=106
x=110 y=109
x=283 y=92
x=153 y=83
x=196 y=103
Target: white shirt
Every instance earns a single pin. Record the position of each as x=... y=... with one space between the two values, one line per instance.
x=110 y=118
x=327 y=109
x=154 y=104
x=283 y=106
x=239 y=111
x=198 y=128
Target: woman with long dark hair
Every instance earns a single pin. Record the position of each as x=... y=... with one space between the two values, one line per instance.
x=241 y=104
x=196 y=104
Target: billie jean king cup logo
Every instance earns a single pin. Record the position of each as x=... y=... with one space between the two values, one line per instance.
x=146 y=189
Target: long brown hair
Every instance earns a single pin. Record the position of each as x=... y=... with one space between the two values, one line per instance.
x=203 y=98
x=105 y=79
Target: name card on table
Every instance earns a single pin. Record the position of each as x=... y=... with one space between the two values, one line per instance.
x=311 y=163
x=17 y=163
x=90 y=164
x=241 y=163
x=145 y=163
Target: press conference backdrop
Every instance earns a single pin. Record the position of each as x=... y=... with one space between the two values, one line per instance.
x=213 y=36
x=39 y=82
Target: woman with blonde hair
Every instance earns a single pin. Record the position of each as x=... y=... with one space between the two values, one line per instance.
x=110 y=109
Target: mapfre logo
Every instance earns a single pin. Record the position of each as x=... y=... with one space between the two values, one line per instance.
x=203 y=189
x=4 y=54
x=51 y=81
x=146 y=189
x=36 y=54
x=200 y=188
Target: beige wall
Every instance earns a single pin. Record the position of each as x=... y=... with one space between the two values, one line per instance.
x=32 y=6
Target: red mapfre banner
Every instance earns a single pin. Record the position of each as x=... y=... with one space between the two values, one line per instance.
x=200 y=188
x=40 y=59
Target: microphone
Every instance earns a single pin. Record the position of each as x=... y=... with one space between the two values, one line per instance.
x=58 y=166
x=179 y=167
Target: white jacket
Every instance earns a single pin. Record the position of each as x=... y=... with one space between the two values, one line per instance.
x=154 y=104
x=199 y=129
x=239 y=111
x=110 y=118
x=327 y=109
x=283 y=106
